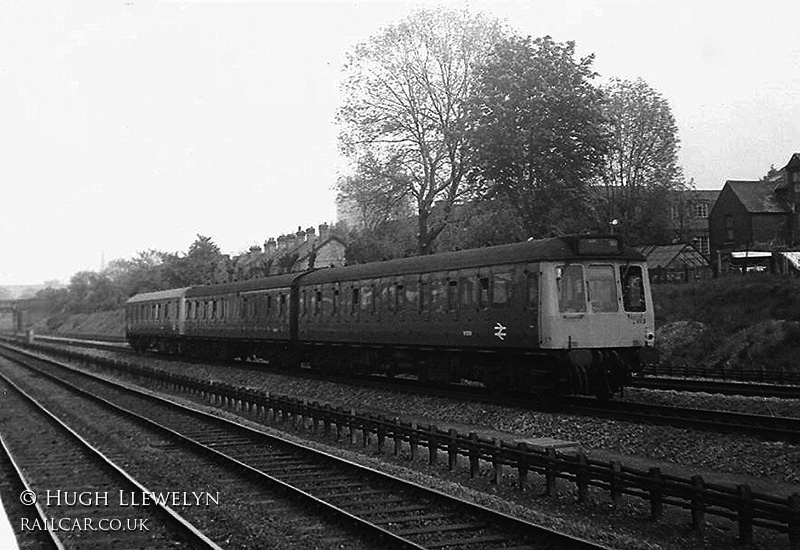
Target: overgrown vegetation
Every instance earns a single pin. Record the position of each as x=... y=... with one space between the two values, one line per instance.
x=749 y=322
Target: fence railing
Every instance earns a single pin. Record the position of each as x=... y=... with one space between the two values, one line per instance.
x=738 y=503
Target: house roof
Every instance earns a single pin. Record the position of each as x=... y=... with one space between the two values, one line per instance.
x=704 y=194
x=758 y=197
x=666 y=255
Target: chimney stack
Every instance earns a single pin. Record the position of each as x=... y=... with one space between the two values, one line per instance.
x=270 y=246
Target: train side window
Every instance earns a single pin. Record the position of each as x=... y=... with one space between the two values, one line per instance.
x=318 y=302
x=483 y=292
x=222 y=308
x=282 y=305
x=366 y=297
x=424 y=296
x=355 y=303
x=571 y=294
x=501 y=289
x=452 y=295
x=399 y=297
x=467 y=293
x=632 y=280
x=438 y=296
x=336 y=300
x=602 y=288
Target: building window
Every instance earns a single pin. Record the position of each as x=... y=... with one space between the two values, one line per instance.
x=701 y=243
x=701 y=210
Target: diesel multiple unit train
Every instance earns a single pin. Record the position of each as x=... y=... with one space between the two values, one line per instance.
x=569 y=314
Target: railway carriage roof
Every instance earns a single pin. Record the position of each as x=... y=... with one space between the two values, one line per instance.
x=158 y=295
x=250 y=285
x=554 y=249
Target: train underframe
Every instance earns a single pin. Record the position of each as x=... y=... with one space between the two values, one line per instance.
x=599 y=372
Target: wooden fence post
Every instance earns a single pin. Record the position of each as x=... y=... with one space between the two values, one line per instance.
x=616 y=483
x=398 y=438
x=497 y=465
x=794 y=521
x=582 y=477
x=381 y=430
x=413 y=440
x=522 y=465
x=550 y=472
x=473 y=454
x=433 y=445
x=351 y=426
x=656 y=494
x=452 y=449
x=745 y=514
x=698 y=505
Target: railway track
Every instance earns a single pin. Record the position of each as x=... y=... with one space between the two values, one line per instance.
x=400 y=513
x=750 y=389
x=761 y=426
x=722 y=387
x=51 y=465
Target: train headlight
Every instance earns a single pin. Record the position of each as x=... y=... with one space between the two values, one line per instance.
x=650 y=337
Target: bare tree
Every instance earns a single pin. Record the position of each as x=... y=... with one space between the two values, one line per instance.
x=404 y=107
x=641 y=165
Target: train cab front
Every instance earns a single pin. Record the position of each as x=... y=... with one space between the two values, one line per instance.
x=597 y=315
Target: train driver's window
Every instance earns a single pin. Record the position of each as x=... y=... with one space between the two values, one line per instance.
x=602 y=289
x=532 y=290
x=571 y=295
x=632 y=288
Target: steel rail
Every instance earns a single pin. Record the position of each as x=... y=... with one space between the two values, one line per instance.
x=188 y=530
x=485 y=515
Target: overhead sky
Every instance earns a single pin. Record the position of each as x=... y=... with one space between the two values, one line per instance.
x=135 y=125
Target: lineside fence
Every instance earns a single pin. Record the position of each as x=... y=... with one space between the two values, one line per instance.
x=737 y=503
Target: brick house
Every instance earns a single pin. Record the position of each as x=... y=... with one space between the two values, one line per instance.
x=689 y=211
x=756 y=215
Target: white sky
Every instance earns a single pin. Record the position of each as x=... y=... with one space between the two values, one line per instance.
x=132 y=125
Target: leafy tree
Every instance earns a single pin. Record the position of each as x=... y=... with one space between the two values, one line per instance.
x=482 y=223
x=536 y=131
x=200 y=265
x=404 y=108
x=89 y=291
x=144 y=273
x=641 y=166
